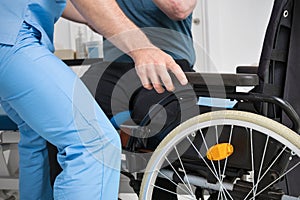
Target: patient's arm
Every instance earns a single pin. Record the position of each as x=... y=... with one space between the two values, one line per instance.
x=176 y=9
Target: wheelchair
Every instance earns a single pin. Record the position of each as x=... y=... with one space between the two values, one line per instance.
x=247 y=151
x=213 y=150
x=221 y=154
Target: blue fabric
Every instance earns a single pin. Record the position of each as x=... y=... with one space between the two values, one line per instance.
x=120 y=118
x=40 y=14
x=216 y=102
x=174 y=37
x=48 y=101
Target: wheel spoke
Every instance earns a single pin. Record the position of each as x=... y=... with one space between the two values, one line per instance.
x=277 y=179
x=177 y=185
x=185 y=146
x=217 y=142
x=206 y=148
x=262 y=161
x=225 y=164
x=256 y=185
x=221 y=183
x=183 y=168
x=213 y=172
x=175 y=171
x=171 y=192
x=252 y=160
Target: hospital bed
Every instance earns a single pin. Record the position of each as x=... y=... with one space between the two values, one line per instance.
x=9 y=157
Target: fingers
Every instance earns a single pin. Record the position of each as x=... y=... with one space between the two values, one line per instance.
x=155 y=79
x=149 y=76
x=153 y=67
x=165 y=78
x=142 y=73
x=177 y=71
x=156 y=76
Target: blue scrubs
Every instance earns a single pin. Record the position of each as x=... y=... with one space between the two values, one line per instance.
x=49 y=102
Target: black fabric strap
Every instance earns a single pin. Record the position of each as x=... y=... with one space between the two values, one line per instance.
x=279 y=55
x=270 y=89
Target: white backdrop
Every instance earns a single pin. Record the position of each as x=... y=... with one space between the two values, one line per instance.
x=234 y=32
x=230 y=33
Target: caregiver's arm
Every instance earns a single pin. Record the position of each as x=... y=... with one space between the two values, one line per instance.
x=152 y=64
x=71 y=13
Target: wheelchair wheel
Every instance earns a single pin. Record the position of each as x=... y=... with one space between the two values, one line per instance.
x=225 y=155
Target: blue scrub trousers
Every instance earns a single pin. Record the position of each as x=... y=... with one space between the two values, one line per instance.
x=49 y=102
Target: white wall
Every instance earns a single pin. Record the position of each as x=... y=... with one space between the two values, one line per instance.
x=66 y=32
x=230 y=33
x=235 y=32
x=199 y=35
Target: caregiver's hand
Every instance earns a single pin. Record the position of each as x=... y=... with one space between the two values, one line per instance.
x=153 y=67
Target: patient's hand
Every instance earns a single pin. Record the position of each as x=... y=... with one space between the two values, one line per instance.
x=153 y=67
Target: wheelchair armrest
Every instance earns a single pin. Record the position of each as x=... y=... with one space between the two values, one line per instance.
x=214 y=79
x=247 y=69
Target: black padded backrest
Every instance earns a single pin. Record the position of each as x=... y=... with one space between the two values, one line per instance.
x=292 y=81
x=275 y=47
x=279 y=65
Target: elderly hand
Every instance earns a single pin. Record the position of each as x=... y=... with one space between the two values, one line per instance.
x=153 y=67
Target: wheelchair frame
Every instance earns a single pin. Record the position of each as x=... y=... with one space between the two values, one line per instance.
x=224 y=82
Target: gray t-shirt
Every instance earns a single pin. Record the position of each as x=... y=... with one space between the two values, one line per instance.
x=174 y=37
